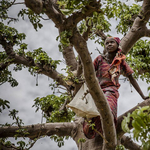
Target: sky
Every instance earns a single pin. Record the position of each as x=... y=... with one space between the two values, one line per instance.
x=22 y=97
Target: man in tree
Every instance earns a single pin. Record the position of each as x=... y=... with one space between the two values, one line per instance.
x=76 y=21
x=109 y=67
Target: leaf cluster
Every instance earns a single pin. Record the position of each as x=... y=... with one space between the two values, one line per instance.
x=140 y=120
x=17 y=121
x=71 y=77
x=20 y=145
x=123 y=13
x=11 y=34
x=4 y=6
x=3 y=104
x=50 y=105
x=127 y=15
x=33 y=18
x=139 y=59
x=96 y=22
x=64 y=39
x=41 y=57
x=13 y=113
x=70 y=6
x=59 y=140
x=6 y=76
x=120 y=147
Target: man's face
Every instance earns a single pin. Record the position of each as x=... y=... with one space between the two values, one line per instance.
x=111 y=45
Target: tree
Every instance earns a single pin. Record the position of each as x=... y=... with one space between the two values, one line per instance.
x=76 y=21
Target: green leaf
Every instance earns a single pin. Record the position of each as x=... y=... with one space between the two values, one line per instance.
x=136 y=126
x=140 y=121
x=136 y=135
x=125 y=122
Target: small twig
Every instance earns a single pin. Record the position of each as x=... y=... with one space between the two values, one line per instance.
x=97 y=131
x=32 y=144
x=92 y=34
x=18 y=3
x=63 y=107
x=63 y=61
x=17 y=122
x=98 y=50
x=84 y=97
x=42 y=117
x=35 y=140
x=2 y=83
x=12 y=18
x=58 y=91
x=44 y=18
x=62 y=88
x=101 y=135
x=124 y=79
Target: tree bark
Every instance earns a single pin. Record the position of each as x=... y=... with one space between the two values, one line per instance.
x=129 y=144
x=35 y=131
x=69 y=57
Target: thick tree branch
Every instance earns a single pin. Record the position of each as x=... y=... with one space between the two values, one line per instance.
x=95 y=90
x=43 y=69
x=69 y=56
x=35 y=131
x=46 y=70
x=120 y=132
x=29 y=62
x=101 y=34
x=49 y=7
x=138 y=29
x=35 y=5
x=52 y=11
x=129 y=144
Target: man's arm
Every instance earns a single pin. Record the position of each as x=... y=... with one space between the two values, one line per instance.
x=136 y=86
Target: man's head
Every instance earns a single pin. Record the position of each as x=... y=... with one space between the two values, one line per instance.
x=112 y=44
x=115 y=38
